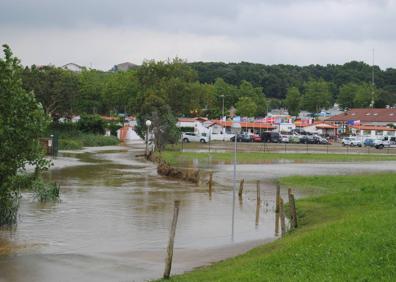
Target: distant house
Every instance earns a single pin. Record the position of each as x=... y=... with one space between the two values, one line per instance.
x=366 y=116
x=322 y=129
x=73 y=67
x=372 y=130
x=123 y=67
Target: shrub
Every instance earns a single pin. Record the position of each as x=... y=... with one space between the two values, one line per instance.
x=91 y=124
x=45 y=192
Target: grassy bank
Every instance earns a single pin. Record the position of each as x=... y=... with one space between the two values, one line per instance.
x=79 y=140
x=346 y=234
x=175 y=157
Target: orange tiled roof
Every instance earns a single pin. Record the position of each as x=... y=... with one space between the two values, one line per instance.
x=366 y=115
x=373 y=127
x=245 y=124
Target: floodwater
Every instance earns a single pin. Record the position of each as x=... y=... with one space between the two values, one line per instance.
x=112 y=223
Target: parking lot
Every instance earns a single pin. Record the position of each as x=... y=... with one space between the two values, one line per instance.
x=335 y=148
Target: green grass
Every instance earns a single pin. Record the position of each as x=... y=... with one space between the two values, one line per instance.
x=78 y=141
x=346 y=234
x=174 y=157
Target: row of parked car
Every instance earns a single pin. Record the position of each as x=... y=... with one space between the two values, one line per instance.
x=267 y=137
x=378 y=143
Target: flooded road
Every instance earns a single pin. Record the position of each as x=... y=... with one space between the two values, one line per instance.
x=112 y=223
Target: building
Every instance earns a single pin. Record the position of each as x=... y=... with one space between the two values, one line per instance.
x=381 y=117
x=322 y=129
x=73 y=67
x=123 y=67
x=372 y=130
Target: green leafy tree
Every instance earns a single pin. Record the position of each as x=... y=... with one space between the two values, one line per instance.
x=293 y=101
x=56 y=89
x=317 y=96
x=163 y=121
x=347 y=95
x=22 y=122
x=363 y=96
x=246 y=107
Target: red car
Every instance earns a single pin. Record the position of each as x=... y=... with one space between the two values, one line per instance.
x=256 y=138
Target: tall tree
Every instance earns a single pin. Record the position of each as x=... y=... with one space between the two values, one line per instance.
x=293 y=101
x=317 y=95
x=246 y=107
x=22 y=122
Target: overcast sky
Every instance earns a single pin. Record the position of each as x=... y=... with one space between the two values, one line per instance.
x=101 y=33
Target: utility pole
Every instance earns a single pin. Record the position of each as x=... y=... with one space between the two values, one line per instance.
x=372 y=83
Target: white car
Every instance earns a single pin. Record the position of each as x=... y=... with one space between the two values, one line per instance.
x=351 y=141
x=285 y=138
x=194 y=137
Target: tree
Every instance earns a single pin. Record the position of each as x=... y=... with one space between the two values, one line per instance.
x=347 y=95
x=22 y=122
x=363 y=96
x=317 y=95
x=246 y=107
x=56 y=89
x=293 y=101
x=163 y=124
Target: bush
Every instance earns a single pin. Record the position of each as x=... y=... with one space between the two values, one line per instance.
x=45 y=192
x=70 y=144
x=85 y=140
x=91 y=124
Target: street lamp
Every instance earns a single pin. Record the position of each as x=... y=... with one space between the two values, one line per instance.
x=235 y=128
x=148 y=123
x=222 y=116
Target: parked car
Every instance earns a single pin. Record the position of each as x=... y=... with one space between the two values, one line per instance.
x=381 y=143
x=243 y=137
x=285 y=138
x=346 y=141
x=320 y=140
x=194 y=137
x=256 y=138
x=307 y=139
x=269 y=136
x=369 y=142
x=356 y=142
x=294 y=139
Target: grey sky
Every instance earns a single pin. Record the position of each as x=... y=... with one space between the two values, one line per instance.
x=106 y=32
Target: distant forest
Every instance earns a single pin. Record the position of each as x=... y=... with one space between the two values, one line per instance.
x=199 y=89
x=276 y=79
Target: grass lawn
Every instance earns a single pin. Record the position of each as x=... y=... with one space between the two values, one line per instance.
x=174 y=157
x=346 y=234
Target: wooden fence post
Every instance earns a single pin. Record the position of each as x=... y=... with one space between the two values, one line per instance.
x=169 y=256
x=277 y=198
x=293 y=211
x=210 y=182
x=282 y=217
x=241 y=188
x=258 y=192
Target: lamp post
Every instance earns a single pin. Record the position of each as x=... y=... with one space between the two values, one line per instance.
x=148 y=123
x=222 y=117
x=235 y=128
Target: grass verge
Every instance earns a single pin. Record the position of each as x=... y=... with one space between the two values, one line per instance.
x=174 y=157
x=346 y=234
x=78 y=141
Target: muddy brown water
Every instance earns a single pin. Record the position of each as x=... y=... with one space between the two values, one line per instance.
x=112 y=222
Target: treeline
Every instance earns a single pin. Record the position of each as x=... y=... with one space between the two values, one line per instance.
x=199 y=89
x=275 y=80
